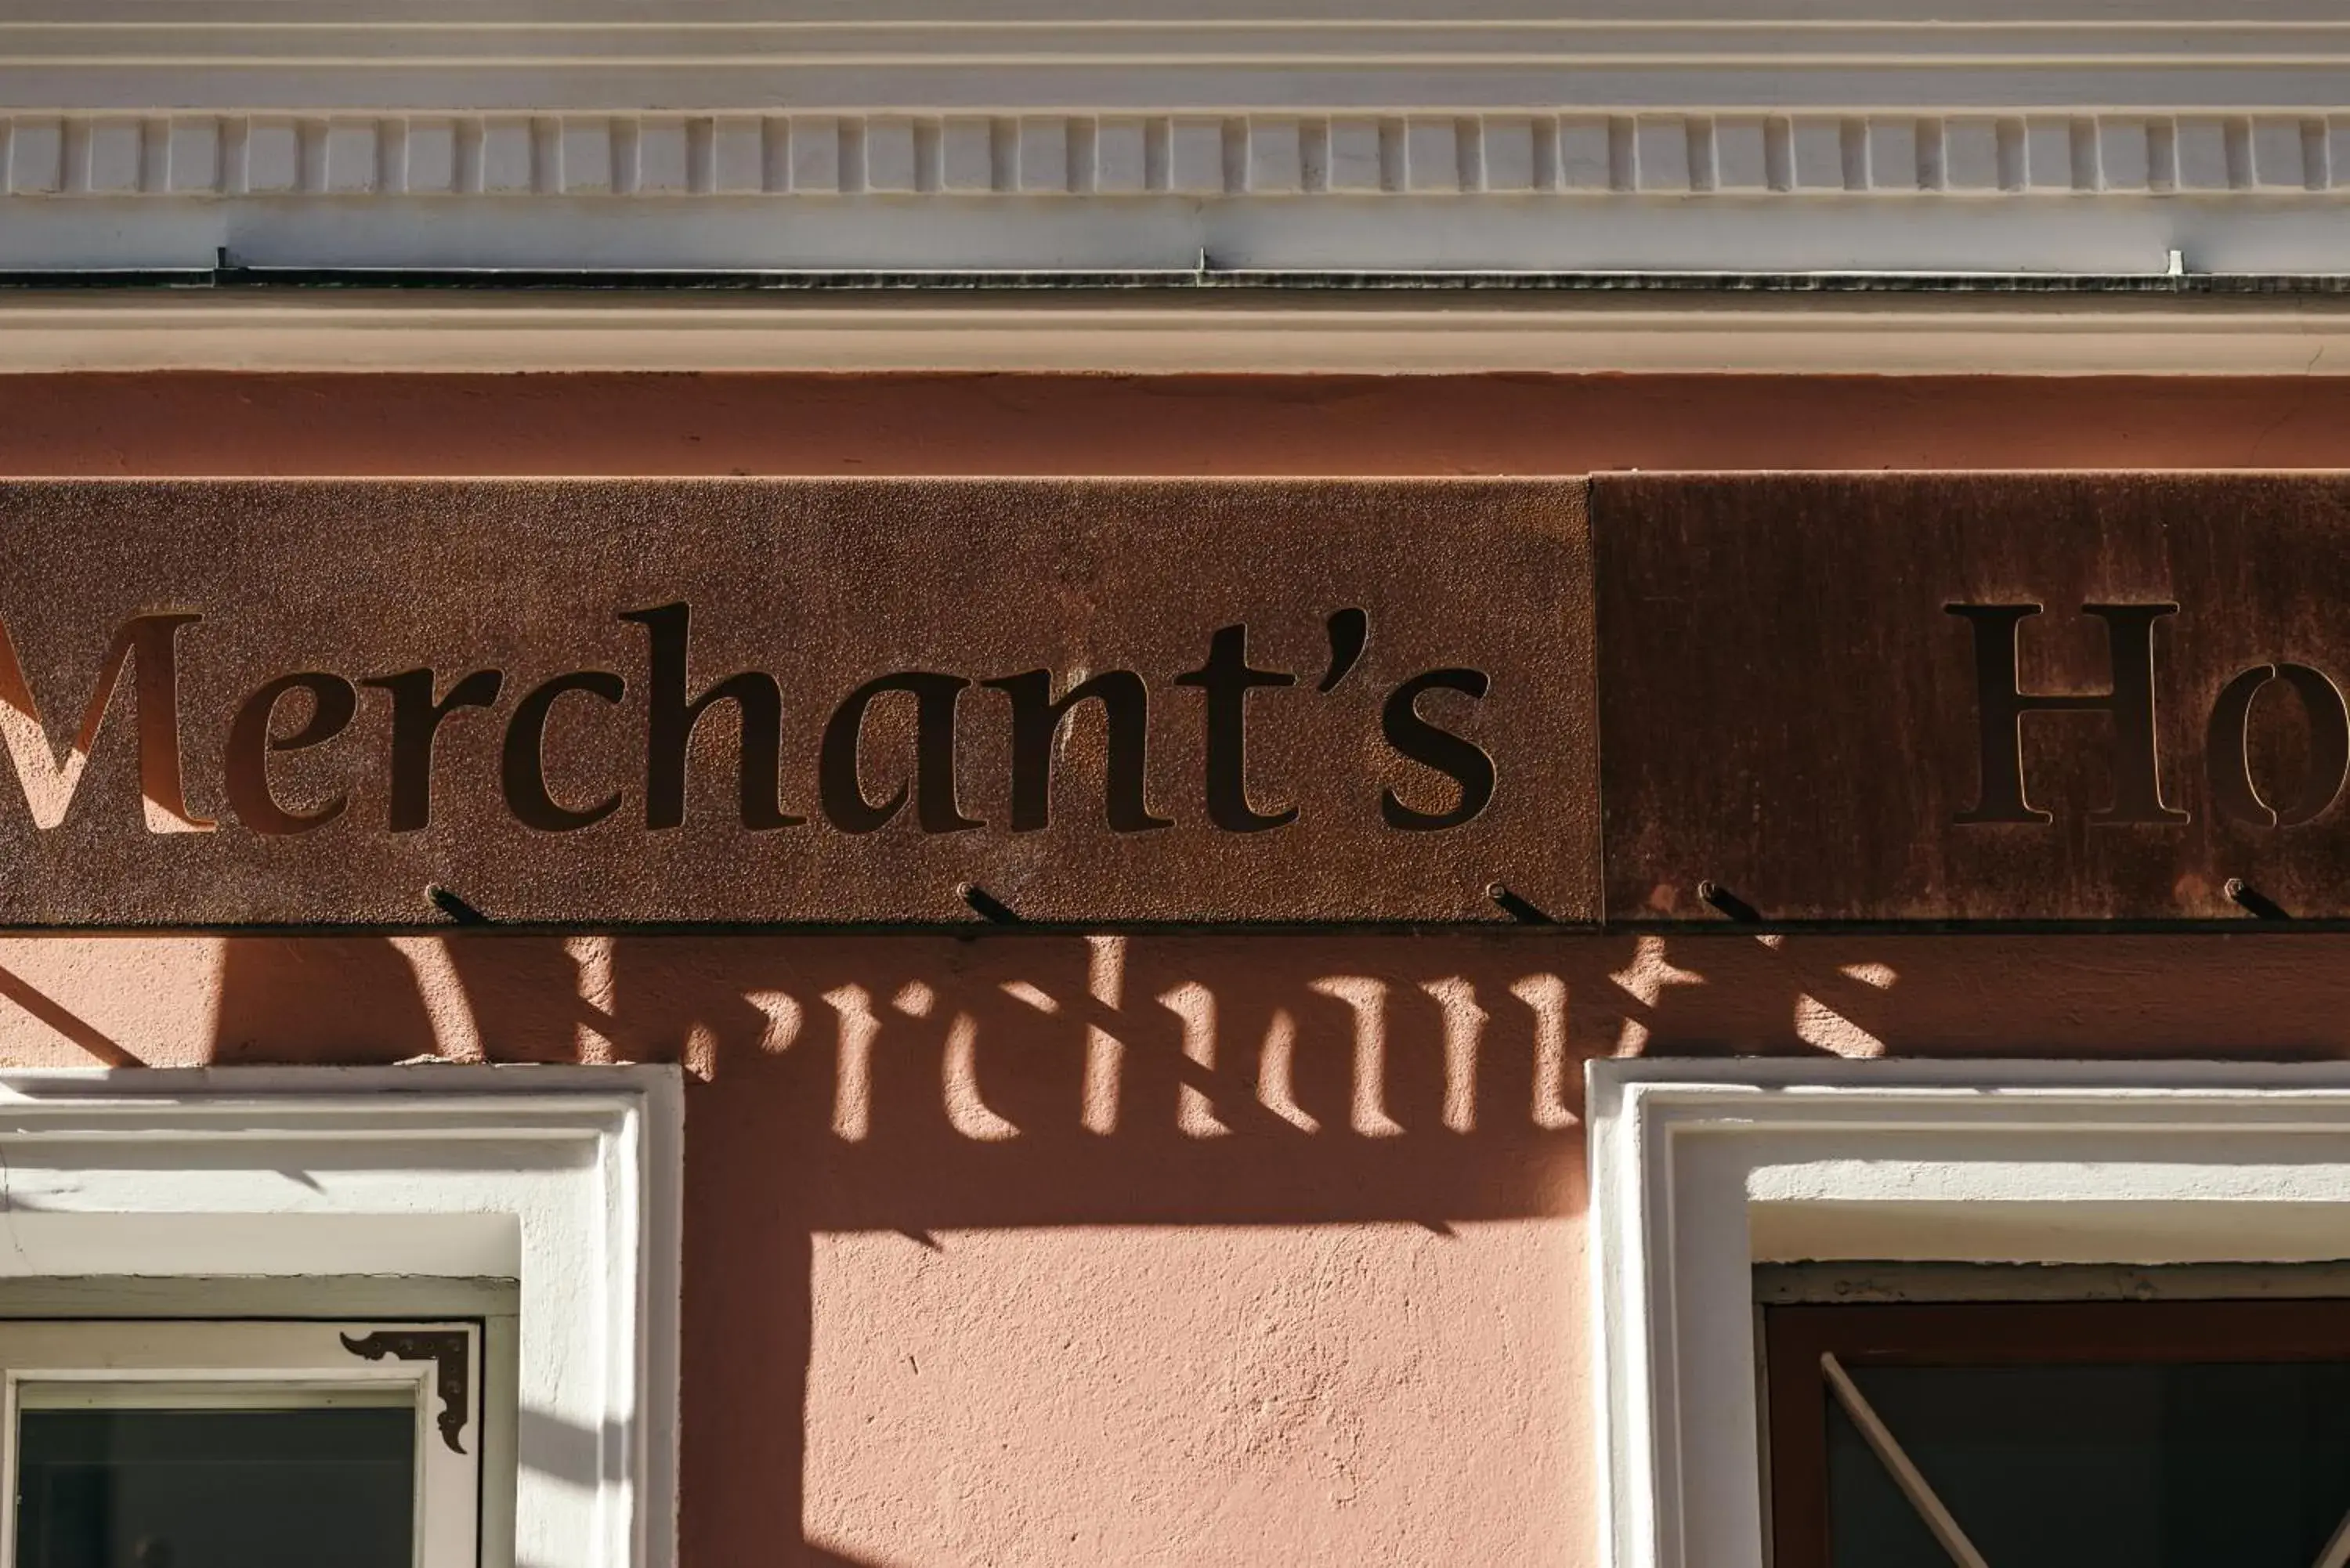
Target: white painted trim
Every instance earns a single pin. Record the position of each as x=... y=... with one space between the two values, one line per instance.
x=1374 y=149
x=1015 y=57
x=219 y=1365
x=2073 y=135
x=567 y=1181
x=1821 y=335
x=1700 y=1169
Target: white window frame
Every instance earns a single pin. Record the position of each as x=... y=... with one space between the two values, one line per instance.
x=564 y=1180
x=254 y=1364
x=1701 y=1169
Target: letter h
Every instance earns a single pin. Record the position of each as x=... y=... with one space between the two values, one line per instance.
x=2001 y=707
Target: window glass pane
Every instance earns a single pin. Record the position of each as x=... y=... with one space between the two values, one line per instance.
x=2159 y=1466
x=1874 y=1525
x=216 y=1488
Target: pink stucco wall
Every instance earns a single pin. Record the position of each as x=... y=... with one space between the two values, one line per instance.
x=1187 y=1250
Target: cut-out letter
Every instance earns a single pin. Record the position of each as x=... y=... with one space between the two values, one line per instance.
x=1465 y=762
x=524 y=774
x=415 y=720
x=245 y=770
x=669 y=729
x=50 y=782
x=2228 y=751
x=1036 y=720
x=2000 y=708
x=842 y=787
x=1226 y=680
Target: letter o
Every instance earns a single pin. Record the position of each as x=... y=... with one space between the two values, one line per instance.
x=2229 y=749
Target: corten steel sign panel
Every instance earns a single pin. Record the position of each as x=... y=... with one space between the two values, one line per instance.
x=794 y=701
x=2085 y=698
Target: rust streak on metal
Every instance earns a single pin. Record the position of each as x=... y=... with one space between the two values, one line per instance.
x=1941 y=697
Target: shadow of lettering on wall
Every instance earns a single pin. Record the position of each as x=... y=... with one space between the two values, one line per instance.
x=1016 y=1079
x=926 y=1085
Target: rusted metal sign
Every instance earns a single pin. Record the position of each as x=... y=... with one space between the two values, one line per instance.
x=1961 y=698
x=796 y=701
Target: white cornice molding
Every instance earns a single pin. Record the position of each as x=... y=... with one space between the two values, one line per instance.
x=1010 y=55
x=2072 y=135
x=1566 y=334
x=1282 y=153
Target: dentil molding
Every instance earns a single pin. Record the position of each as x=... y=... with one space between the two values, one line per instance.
x=1547 y=135
x=1501 y=153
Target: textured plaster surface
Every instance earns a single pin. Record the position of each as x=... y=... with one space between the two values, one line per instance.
x=1293 y=1399
x=1208 y=1249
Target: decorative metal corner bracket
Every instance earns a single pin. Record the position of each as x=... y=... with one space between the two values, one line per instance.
x=451 y=1353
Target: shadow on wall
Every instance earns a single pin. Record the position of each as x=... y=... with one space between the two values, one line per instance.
x=917 y=1084
x=914 y=1085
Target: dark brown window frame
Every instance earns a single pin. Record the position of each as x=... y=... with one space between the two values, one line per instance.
x=1993 y=1334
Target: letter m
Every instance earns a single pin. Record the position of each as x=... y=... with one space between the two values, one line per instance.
x=50 y=780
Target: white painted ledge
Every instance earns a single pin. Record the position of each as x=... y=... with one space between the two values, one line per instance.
x=428 y=331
